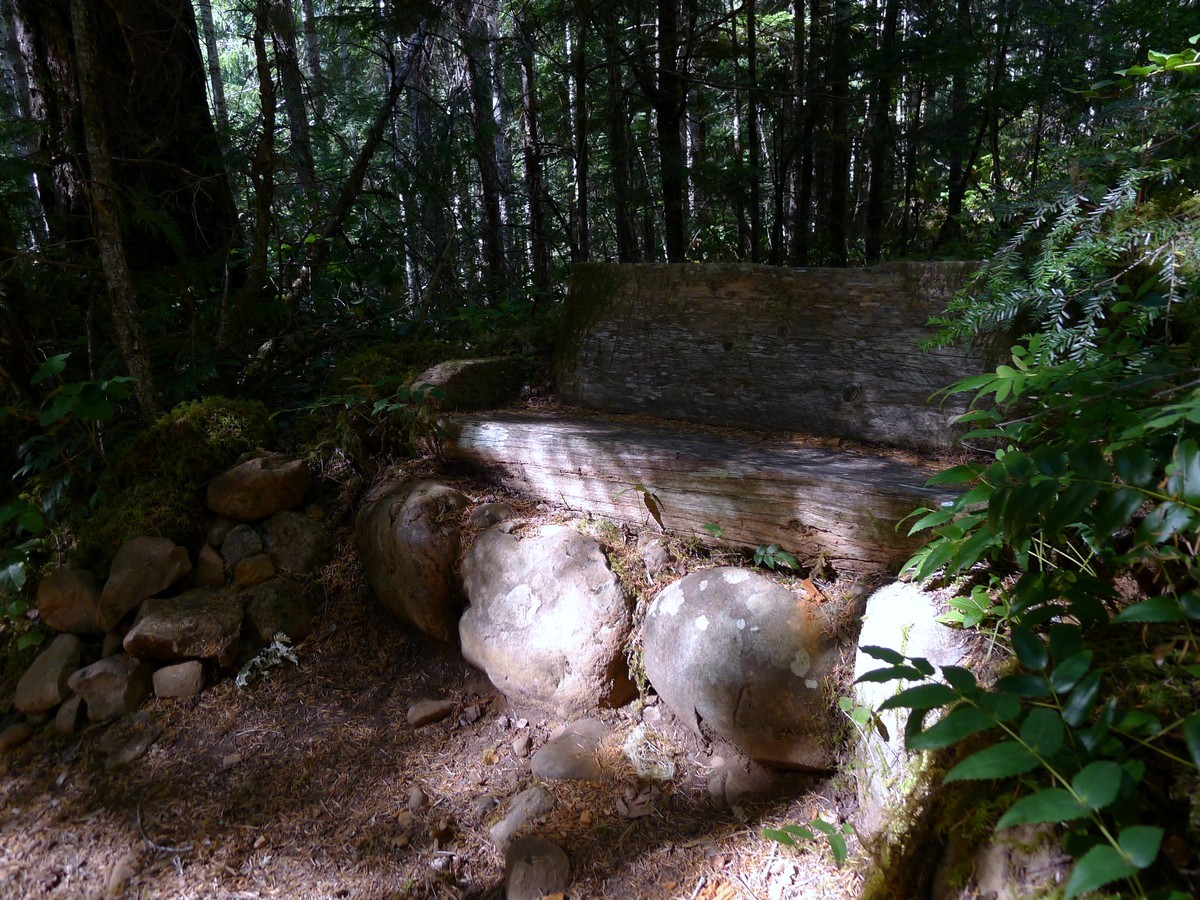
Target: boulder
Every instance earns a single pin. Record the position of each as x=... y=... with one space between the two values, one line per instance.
x=296 y=543
x=112 y=687
x=899 y=617
x=210 y=569
x=243 y=541
x=276 y=606
x=732 y=653
x=44 y=684
x=259 y=488
x=467 y=384
x=71 y=715
x=409 y=539
x=68 y=599
x=547 y=620
x=199 y=623
x=572 y=755
x=535 y=868
x=183 y=679
x=253 y=570
x=143 y=567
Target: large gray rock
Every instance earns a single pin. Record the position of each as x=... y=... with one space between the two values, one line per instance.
x=735 y=654
x=534 y=868
x=408 y=537
x=276 y=606
x=112 y=687
x=242 y=542
x=143 y=567
x=44 y=684
x=68 y=599
x=527 y=806
x=475 y=383
x=198 y=624
x=548 y=621
x=184 y=679
x=296 y=543
x=259 y=488
x=899 y=617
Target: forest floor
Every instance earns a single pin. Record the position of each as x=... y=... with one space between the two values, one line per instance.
x=301 y=785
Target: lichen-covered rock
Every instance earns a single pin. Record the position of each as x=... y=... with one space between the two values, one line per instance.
x=44 y=684
x=274 y=607
x=68 y=599
x=112 y=687
x=547 y=621
x=409 y=539
x=259 y=488
x=735 y=654
x=143 y=567
x=296 y=543
x=198 y=624
x=241 y=542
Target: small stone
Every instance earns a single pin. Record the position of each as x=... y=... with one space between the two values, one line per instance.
x=471 y=714
x=253 y=570
x=210 y=569
x=184 y=679
x=71 y=715
x=521 y=746
x=483 y=805
x=275 y=606
x=120 y=876
x=68 y=599
x=535 y=867
x=571 y=756
x=426 y=712
x=113 y=686
x=241 y=542
x=15 y=735
x=523 y=809
x=417 y=799
x=296 y=543
x=128 y=740
x=44 y=684
x=488 y=514
x=405 y=818
x=229 y=760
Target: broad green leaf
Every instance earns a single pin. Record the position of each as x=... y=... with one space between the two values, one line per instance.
x=837 y=844
x=959 y=678
x=1139 y=722
x=1156 y=609
x=51 y=367
x=1098 y=784
x=892 y=673
x=31 y=520
x=12 y=577
x=1068 y=672
x=1029 y=648
x=1099 y=866
x=1114 y=511
x=1043 y=730
x=782 y=837
x=931 y=519
x=1031 y=686
x=969 y=552
x=958 y=724
x=1184 y=480
x=1048 y=805
x=1081 y=700
x=923 y=696
x=1065 y=640
x=1190 y=604
x=956 y=475
x=1191 y=734
x=822 y=826
x=1069 y=507
x=1134 y=465
x=1163 y=522
x=1002 y=706
x=1088 y=462
x=998 y=761
x=884 y=654
x=1141 y=844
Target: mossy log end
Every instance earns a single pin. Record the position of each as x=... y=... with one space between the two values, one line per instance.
x=815 y=502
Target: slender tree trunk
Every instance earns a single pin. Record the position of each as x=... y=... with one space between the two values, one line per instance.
x=618 y=141
x=312 y=54
x=291 y=84
x=213 y=58
x=106 y=226
x=814 y=112
x=579 y=104
x=669 y=106
x=756 y=224
x=539 y=243
x=839 y=156
x=878 y=138
x=737 y=127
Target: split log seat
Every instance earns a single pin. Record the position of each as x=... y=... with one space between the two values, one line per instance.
x=816 y=502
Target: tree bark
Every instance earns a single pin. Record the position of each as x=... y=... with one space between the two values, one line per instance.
x=838 y=175
x=579 y=106
x=754 y=172
x=213 y=59
x=312 y=54
x=539 y=243
x=878 y=143
x=620 y=153
x=291 y=83
x=106 y=225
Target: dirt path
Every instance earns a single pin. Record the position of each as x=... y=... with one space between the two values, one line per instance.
x=301 y=784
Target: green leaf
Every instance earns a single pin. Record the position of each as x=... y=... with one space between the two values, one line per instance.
x=1043 y=731
x=1134 y=465
x=51 y=367
x=1070 y=506
x=884 y=654
x=1067 y=673
x=31 y=520
x=1030 y=686
x=1048 y=805
x=1190 y=604
x=1184 y=480
x=1088 y=462
x=956 y=475
x=782 y=837
x=1099 y=866
x=1156 y=609
x=713 y=529
x=958 y=724
x=1115 y=510
x=1141 y=844
x=1098 y=784
x=1029 y=648
x=30 y=639
x=1081 y=700
x=837 y=844
x=998 y=761
x=923 y=696
x=892 y=673
x=959 y=678
x=1191 y=734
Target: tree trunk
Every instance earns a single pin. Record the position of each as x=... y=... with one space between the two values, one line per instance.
x=106 y=225
x=312 y=54
x=213 y=57
x=878 y=137
x=959 y=127
x=755 y=175
x=291 y=84
x=539 y=242
x=814 y=111
x=579 y=107
x=620 y=153
x=838 y=175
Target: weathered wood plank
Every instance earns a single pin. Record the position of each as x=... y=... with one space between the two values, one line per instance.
x=812 y=501
x=823 y=351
